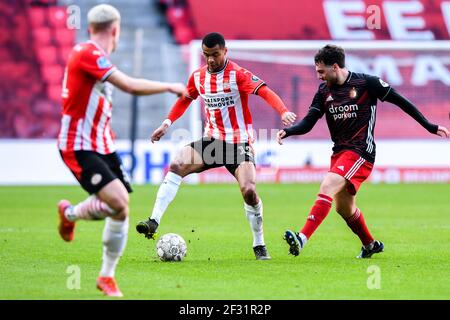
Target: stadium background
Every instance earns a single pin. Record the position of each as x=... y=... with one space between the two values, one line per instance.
x=410 y=50
x=411 y=219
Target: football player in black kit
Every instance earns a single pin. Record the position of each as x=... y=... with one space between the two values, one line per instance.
x=349 y=102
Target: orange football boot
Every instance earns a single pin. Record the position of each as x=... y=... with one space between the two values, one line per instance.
x=66 y=227
x=108 y=286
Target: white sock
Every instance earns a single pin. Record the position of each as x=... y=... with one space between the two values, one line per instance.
x=90 y=209
x=115 y=236
x=255 y=218
x=304 y=238
x=166 y=194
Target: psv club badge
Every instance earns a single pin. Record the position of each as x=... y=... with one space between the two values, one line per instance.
x=353 y=93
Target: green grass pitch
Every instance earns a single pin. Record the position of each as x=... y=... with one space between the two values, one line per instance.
x=412 y=220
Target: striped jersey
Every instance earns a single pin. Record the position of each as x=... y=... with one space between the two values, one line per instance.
x=86 y=98
x=350 y=111
x=225 y=96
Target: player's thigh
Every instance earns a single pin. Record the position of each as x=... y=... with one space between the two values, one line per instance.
x=115 y=164
x=345 y=203
x=240 y=162
x=245 y=173
x=332 y=184
x=94 y=171
x=187 y=160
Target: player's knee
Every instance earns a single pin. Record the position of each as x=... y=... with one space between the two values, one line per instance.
x=332 y=184
x=119 y=205
x=344 y=211
x=177 y=167
x=249 y=193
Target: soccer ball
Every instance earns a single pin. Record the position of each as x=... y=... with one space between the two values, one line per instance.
x=171 y=247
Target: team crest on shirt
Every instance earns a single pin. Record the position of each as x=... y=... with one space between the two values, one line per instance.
x=103 y=63
x=353 y=93
x=384 y=84
x=226 y=85
x=96 y=179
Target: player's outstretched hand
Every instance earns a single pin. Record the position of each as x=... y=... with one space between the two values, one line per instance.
x=178 y=88
x=288 y=118
x=443 y=132
x=280 y=136
x=158 y=133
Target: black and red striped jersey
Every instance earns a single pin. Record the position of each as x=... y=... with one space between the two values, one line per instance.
x=350 y=111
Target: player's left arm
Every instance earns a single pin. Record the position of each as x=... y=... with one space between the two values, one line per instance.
x=408 y=107
x=287 y=117
x=385 y=92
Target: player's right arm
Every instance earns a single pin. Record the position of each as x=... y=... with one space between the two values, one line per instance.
x=177 y=110
x=307 y=123
x=141 y=87
x=98 y=66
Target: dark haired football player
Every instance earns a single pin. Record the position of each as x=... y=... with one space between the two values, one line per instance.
x=349 y=102
x=224 y=87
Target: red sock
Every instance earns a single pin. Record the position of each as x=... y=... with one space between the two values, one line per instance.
x=358 y=225
x=318 y=212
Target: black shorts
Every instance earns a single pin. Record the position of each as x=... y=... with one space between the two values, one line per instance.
x=94 y=170
x=218 y=153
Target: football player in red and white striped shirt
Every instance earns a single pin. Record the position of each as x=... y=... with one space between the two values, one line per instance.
x=224 y=87
x=86 y=141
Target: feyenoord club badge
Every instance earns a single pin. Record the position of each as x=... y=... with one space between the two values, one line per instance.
x=353 y=93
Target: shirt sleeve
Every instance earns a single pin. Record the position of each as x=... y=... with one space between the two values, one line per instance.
x=192 y=91
x=317 y=103
x=247 y=82
x=96 y=64
x=378 y=87
x=315 y=112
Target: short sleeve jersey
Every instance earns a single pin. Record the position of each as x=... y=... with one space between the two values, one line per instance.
x=225 y=95
x=87 y=101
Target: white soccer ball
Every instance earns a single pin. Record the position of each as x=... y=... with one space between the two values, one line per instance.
x=171 y=247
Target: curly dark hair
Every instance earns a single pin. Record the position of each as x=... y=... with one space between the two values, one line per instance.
x=329 y=55
x=212 y=39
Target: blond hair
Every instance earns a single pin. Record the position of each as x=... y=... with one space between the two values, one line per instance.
x=102 y=16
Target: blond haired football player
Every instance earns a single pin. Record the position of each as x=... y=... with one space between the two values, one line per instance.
x=86 y=142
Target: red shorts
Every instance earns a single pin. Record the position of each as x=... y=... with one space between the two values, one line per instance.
x=352 y=167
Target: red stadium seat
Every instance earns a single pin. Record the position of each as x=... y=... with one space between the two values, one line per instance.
x=177 y=15
x=183 y=34
x=52 y=74
x=57 y=17
x=65 y=37
x=42 y=36
x=65 y=52
x=43 y=107
x=47 y=55
x=54 y=92
x=38 y=16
